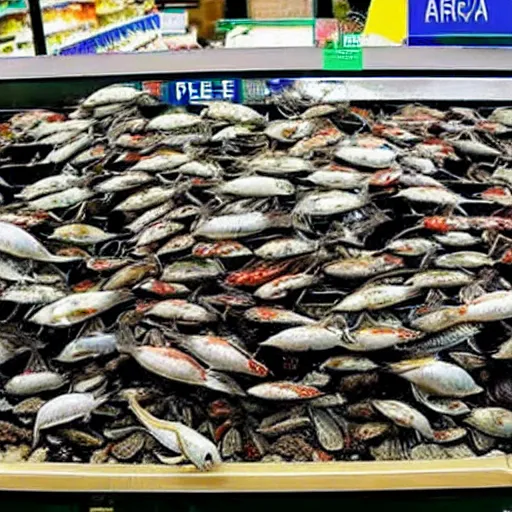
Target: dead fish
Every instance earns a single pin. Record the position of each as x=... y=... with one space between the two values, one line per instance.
x=32 y=383
x=17 y=242
x=79 y=307
x=112 y=94
x=289 y=131
x=130 y=447
x=89 y=346
x=305 y=338
x=493 y=421
x=51 y=184
x=81 y=234
x=404 y=416
x=276 y=166
x=179 y=438
x=286 y=426
x=234 y=113
x=349 y=364
x=284 y=391
x=181 y=311
x=124 y=182
x=464 y=259
x=64 y=409
x=131 y=275
x=363 y=266
x=367 y=339
x=369 y=431
x=437 y=377
x=59 y=200
x=192 y=270
x=31 y=294
x=277 y=316
x=468 y=360
x=440 y=279
x=377 y=297
x=221 y=353
x=233 y=226
x=372 y=158
x=327 y=431
x=173 y=121
x=280 y=287
x=475 y=149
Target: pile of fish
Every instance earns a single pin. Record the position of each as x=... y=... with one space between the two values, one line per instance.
x=309 y=281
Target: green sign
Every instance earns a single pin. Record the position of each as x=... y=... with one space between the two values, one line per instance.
x=347 y=55
x=343 y=59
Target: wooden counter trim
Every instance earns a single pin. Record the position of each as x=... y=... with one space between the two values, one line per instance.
x=349 y=476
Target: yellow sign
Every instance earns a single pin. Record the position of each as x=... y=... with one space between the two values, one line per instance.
x=387 y=20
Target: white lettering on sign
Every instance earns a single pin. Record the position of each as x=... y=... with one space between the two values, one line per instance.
x=462 y=11
x=181 y=90
x=228 y=89
x=205 y=90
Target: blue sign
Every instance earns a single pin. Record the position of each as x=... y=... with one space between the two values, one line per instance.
x=434 y=21
x=185 y=92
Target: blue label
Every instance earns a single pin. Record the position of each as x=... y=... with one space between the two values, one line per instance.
x=184 y=92
x=438 y=18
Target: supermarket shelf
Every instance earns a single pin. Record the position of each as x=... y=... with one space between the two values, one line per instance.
x=258 y=60
x=349 y=476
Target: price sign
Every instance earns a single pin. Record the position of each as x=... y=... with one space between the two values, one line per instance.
x=346 y=57
x=450 y=21
x=185 y=92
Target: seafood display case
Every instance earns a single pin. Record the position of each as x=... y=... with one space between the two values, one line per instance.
x=301 y=286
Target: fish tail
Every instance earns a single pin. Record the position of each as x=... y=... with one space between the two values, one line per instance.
x=220 y=382
x=125 y=341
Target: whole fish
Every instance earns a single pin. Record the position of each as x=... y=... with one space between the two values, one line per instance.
x=86 y=347
x=284 y=391
x=32 y=383
x=221 y=353
x=64 y=409
x=17 y=242
x=79 y=307
x=238 y=225
x=404 y=416
x=81 y=234
x=179 y=438
x=69 y=197
x=175 y=365
x=437 y=377
x=377 y=297
x=257 y=186
x=31 y=294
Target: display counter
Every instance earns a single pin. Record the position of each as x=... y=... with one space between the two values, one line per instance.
x=493 y=89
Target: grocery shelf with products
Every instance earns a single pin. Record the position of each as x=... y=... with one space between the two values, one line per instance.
x=183 y=25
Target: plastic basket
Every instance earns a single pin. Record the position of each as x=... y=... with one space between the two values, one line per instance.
x=273 y=9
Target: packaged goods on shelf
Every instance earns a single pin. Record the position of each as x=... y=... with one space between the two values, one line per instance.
x=271 y=9
x=124 y=36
